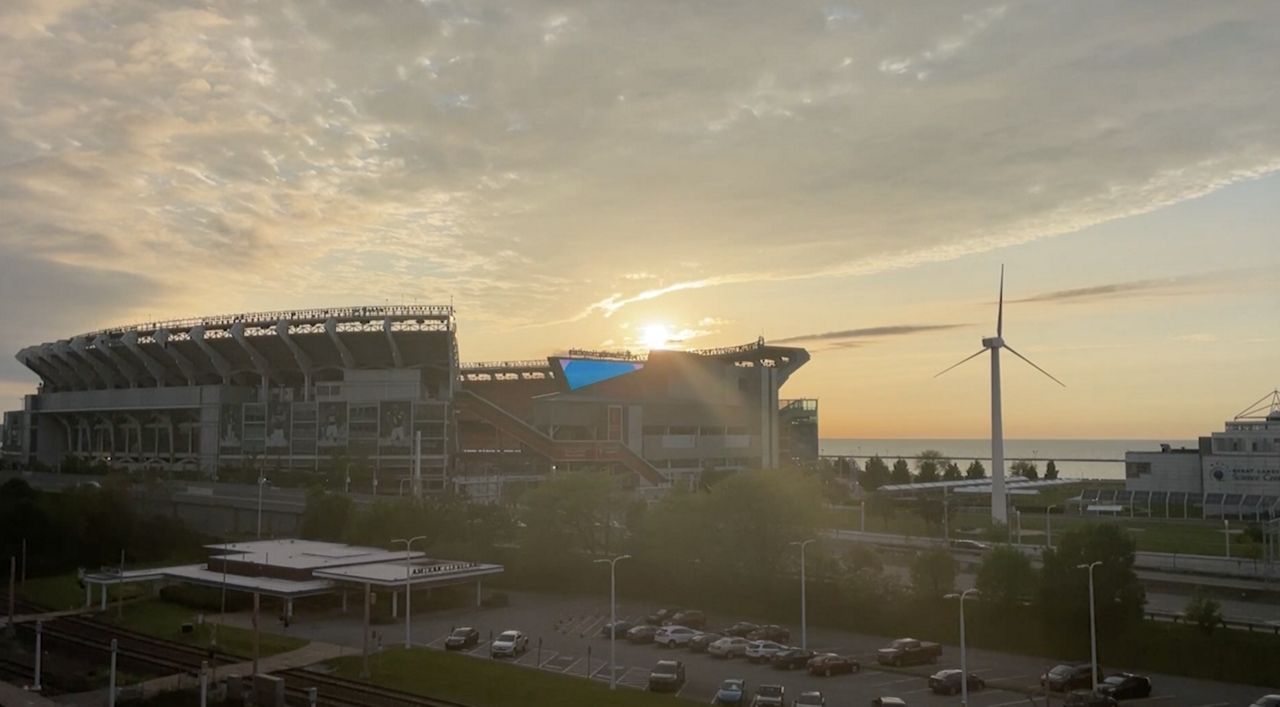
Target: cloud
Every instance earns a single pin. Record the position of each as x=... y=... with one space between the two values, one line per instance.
x=849 y=337
x=544 y=163
x=1238 y=279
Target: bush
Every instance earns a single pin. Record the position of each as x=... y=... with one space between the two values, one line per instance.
x=1204 y=612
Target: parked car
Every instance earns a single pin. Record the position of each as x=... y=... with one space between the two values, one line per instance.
x=690 y=618
x=763 y=651
x=909 y=651
x=700 y=642
x=672 y=636
x=829 y=664
x=742 y=628
x=643 y=633
x=729 y=647
x=770 y=696
x=1267 y=701
x=462 y=638
x=1125 y=686
x=1068 y=676
x=620 y=629
x=888 y=702
x=770 y=632
x=657 y=617
x=811 y=698
x=791 y=658
x=509 y=643
x=947 y=682
x=1086 y=698
x=732 y=692
x=667 y=676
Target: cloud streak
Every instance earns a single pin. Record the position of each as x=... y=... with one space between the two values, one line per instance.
x=1238 y=279
x=876 y=332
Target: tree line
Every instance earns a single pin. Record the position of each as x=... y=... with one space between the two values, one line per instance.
x=931 y=466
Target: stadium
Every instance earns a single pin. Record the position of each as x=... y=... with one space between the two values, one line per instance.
x=382 y=388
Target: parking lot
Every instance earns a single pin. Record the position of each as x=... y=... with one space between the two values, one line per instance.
x=565 y=637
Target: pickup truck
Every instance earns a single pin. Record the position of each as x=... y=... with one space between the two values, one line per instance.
x=909 y=651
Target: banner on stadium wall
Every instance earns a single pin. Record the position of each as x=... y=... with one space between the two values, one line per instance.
x=231 y=429
x=394 y=426
x=332 y=425
x=278 y=427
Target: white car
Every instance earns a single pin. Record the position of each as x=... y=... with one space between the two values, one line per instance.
x=672 y=636
x=509 y=643
x=762 y=651
x=729 y=647
x=1267 y=701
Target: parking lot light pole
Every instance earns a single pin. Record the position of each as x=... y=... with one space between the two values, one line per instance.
x=613 y=617
x=408 y=543
x=1093 y=626
x=804 y=628
x=262 y=481
x=964 y=654
x=1226 y=534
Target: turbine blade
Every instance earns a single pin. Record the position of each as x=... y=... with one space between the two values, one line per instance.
x=980 y=352
x=1029 y=363
x=1000 y=311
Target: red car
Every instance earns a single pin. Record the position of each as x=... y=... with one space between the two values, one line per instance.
x=829 y=664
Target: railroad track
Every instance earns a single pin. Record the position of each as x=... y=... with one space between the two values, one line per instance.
x=340 y=692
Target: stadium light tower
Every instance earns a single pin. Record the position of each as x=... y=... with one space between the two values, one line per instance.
x=999 y=507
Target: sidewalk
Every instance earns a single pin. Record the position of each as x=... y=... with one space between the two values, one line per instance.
x=47 y=616
x=13 y=696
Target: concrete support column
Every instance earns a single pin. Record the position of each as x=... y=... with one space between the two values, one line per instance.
x=478 y=592
x=104 y=597
x=288 y=608
x=395 y=603
x=88 y=595
x=344 y=601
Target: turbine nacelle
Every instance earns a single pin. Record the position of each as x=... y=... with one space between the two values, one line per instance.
x=993 y=342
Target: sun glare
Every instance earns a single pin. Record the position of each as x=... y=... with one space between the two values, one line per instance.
x=656 y=336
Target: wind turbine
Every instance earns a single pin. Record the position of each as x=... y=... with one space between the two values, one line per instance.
x=999 y=510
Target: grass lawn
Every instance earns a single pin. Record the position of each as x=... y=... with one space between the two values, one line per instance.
x=488 y=683
x=64 y=592
x=164 y=620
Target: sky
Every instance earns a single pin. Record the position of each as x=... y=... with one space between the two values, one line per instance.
x=844 y=176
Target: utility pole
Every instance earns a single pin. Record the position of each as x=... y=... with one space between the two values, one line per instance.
x=804 y=624
x=120 y=589
x=39 y=652
x=408 y=586
x=111 y=681
x=1093 y=626
x=12 y=589
x=613 y=620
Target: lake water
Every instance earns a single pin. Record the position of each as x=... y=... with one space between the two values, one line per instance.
x=1037 y=450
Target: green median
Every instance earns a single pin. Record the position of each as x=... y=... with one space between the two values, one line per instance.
x=488 y=683
x=164 y=619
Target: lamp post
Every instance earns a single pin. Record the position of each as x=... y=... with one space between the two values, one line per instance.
x=804 y=627
x=964 y=654
x=262 y=482
x=613 y=616
x=408 y=543
x=1226 y=535
x=1048 y=525
x=1093 y=626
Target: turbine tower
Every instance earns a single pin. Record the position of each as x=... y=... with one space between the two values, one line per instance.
x=999 y=508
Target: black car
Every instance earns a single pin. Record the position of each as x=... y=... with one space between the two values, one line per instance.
x=667 y=676
x=1125 y=686
x=777 y=634
x=700 y=642
x=1068 y=676
x=620 y=629
x=791 y=658
x=688 y=617
x=657 y=617
x=643 y=633
x=829 y=664
x=742 y=629
x=1085 y=698
x=462 y=638
x=947 y=682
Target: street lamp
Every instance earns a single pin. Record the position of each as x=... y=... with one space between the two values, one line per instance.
x=964 y=655
x=1226 y=534
x=804 y=626
x=1093 y=626
x=1048 y=524
x=262 y=481
x=613 y=616
x=408 y=593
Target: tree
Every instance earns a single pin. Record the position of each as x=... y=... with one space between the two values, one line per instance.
x=1050 y=470
x=928 y=464
x=1025 y=469
x=1006 y=577
x=933 y=573
x=901 y=473
x=875 y=475
x=976 y=471
x=327 y=516
x=1064 y=584
x=1204 y=612
x=951 y=472
x=879 y=504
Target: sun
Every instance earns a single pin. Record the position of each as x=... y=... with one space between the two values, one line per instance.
x=655 y=336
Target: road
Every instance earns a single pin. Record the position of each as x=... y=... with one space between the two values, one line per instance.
x=565 y=638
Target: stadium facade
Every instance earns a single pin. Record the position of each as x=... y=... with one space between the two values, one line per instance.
x=315 y=389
